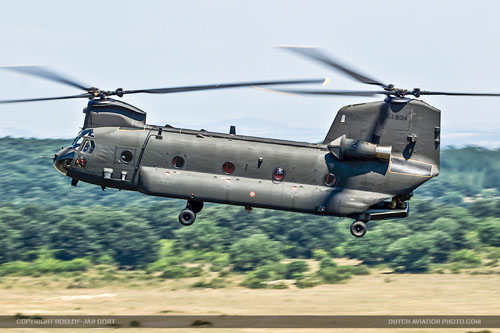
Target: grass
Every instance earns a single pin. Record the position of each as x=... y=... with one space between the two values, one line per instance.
x=131 y=292
x=377 y=293
x=292 y=274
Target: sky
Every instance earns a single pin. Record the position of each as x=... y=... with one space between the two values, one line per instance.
x=434 y=45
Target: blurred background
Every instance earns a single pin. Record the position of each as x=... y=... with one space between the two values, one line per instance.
x=79 y=250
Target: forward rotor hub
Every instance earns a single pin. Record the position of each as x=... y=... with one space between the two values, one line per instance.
x=402 y=92
x=98 y=93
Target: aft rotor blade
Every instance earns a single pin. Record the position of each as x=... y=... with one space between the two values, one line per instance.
x=45 y=73
x=333 y=92
x=220 y=86
x=88 y=95
x=318 y=55
x=447 y=93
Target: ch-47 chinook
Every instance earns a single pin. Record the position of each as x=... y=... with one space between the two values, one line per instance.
x=372 y=158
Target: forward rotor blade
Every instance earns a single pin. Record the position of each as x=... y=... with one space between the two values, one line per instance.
x=45 y=98
x=219 y=86
x=446 y=93
x=318 y=55
x=333 y=92
x=45 y=73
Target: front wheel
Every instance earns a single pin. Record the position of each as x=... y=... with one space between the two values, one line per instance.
x=187 y=217
x=358 y=229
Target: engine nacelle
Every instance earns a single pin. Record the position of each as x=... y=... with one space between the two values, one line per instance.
x=112 y=113
x=343 y=147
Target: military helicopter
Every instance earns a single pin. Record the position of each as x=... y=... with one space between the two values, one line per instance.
x=372 y=158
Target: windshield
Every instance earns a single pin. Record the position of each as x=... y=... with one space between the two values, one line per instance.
x=79 y=139
x=77 y=142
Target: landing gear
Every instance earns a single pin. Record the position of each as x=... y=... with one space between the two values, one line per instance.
x=195 y=206
x=358 y=228
x=187 y=216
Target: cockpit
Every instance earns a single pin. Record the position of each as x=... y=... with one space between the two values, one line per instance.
x=83 y=145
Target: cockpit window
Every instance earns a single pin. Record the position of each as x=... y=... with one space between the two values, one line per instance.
x=79 y=139
x=88 y=147
x=87 y=132
x=77 y=142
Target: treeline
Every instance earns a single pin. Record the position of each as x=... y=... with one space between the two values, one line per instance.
x=48 y=226
x=228 y=236
x=465 y=172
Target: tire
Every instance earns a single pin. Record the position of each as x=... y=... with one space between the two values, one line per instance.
x=187 y=217
x=358 y=229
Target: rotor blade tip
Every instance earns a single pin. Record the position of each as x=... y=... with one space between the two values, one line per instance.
x=276 y=91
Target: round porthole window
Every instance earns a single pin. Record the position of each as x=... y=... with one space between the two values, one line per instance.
x=177 y=162
x=330 y=179
x=126 y=156
x=228 y=168
x=278 y=174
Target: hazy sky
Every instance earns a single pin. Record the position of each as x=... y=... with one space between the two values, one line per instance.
x=434 y=45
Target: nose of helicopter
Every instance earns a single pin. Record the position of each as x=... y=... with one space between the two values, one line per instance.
x=63 y=158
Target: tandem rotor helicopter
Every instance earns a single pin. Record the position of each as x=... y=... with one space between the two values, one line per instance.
x=372 y=158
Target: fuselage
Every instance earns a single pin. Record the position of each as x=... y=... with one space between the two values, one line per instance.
x=193 y=165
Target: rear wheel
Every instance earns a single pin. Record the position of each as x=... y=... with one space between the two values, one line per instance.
x=358 y=229
x=187 y=217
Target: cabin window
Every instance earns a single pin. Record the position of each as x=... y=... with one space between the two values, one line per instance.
x=279 y=174
x=330 y=179
x=177 y=162
x=342 y=119
x=126 y=156
x=228 y=168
